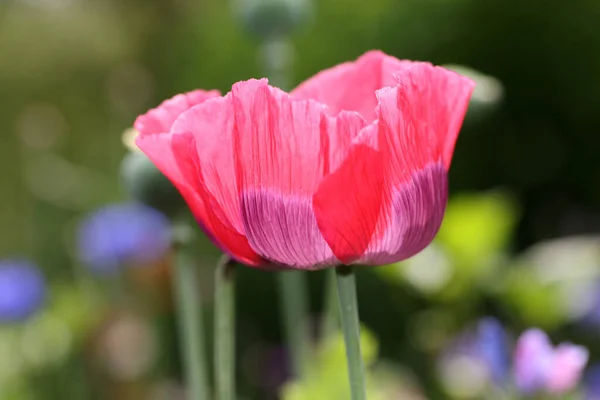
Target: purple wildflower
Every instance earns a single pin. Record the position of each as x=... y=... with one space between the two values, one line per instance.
x=539 y=367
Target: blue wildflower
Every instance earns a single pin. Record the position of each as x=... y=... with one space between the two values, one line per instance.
x=492 y=349
x=591 y=383
x=22 y=290
x=122 y=234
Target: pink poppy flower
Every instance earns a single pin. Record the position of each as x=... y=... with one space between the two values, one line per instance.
x=350 y=167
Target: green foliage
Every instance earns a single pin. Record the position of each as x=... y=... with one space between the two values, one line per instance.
x=471 y=245
x=326 y=376
x=478 y=228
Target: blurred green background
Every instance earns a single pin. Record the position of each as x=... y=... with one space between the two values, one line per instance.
x=518 y=241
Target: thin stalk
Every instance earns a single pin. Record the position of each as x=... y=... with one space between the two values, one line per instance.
x=225 y=329
x=191 y=329
x=331 y=309
x=294 y=313
x=346 y=283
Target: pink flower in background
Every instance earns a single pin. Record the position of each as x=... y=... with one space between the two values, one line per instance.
x=539 y=367
x=351 y=167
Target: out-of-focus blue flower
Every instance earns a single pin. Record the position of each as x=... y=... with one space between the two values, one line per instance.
x=482 y=353
x=591 y=317
x=591 y=383
x=539 y=367
x=120 y=234
x=22 y=290
x=492 y=348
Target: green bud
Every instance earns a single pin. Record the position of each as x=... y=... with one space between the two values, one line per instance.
x=146 y=184
x=269 y=19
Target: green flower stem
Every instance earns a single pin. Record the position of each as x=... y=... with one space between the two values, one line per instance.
x=294 y=313
x=331 y=309
x=190 y=318
x=346 y=283
x=225 y=329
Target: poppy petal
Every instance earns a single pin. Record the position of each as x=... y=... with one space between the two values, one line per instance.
x=161 y=118
x=281 y=153
x=351 y=86
x=420 y=118
x=159 y=149
x=348 y=203
x=418 y=123
x=410 y=218
x=216 y=218
x=339 y=134
x=175 y=156
x=204 y=149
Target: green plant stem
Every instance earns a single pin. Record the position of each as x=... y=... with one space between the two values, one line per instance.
x=346 y=284
x=225 y=329
x=294 y=314
x=191 y=330
x=331 y=309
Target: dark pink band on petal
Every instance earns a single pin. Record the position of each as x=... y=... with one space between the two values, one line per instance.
x=413 y=218
x=283 y=229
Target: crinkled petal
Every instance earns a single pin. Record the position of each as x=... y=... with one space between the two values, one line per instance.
x=161 y=118
x=351 y=86
x=420 y=118
x=339 y=134
x=348 y=202
x=211 y=125
x=410 y=217
x=175 y=156
x=418 y=123
x=281 y=153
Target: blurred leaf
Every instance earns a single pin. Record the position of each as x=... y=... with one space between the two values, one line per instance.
x=473 y=238
x=77 y=308
x=18 y=390
x=10 y=350
x=555 y=281
x=429 y=271
x=326 y=376
x=477 y=228
x=35 y=42
x=535 y=303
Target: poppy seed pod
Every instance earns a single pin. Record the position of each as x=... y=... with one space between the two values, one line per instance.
x=146 y=184
x=272 y=18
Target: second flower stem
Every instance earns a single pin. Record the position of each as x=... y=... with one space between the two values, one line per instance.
x=294 y=313
x=225 y=329
x=331 y=310
x=346 y=283
x=189 y=307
